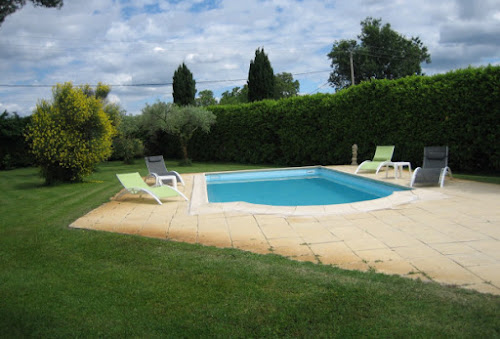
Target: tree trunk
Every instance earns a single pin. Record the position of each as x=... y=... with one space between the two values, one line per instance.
x=184 y=151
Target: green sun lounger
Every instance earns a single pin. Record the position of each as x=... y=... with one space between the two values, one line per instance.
x=382 y=157
x=134 y=184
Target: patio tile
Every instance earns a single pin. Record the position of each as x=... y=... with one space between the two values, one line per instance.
x=453 y=248
x=335 y=253
x=379 y=255
x=490 y=273
x=365 y=244
x=418 y=251
x=489 y=247
x=154 y=230
x=183 y=229
x=290 y=247
x=314 y=233
x=445 y=270
x=472 y=259
x=355 y=216
x=349 y=233
x=214 y=232
x=399 y=267
x=265 y=219
x=335 y=221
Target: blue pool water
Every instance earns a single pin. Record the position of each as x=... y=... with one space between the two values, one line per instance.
x=295 y=187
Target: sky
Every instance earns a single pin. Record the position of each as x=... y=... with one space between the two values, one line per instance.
x=124 y=43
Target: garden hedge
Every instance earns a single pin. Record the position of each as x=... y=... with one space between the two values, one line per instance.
x=460 y=109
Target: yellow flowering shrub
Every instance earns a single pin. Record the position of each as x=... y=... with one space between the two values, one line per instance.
x=69 y=136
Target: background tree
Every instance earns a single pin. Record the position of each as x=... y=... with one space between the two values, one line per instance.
x=182 y=122
x=382 y=53
x=206 y=98
x=184 y=86
x=236 y=96
x=127 y=144
x=70 y=135
x=178 y=121
x=8 y=7
x=285 y=86
x=13 y=148
x=260 y=77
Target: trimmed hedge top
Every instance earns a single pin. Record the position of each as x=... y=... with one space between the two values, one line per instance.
x=460 y=109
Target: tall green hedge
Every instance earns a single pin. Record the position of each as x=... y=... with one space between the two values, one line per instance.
x=460 y=109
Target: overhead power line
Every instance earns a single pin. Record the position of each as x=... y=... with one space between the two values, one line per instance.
x=160 y=84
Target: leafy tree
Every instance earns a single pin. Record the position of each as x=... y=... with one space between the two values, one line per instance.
x=70 y=135
x=236 y=96
x=8 y=7
x=184 y=86
x=382 y=53
x=152 y=129
x=184 y=121
x=260 y=77
x=126 y=145
x=154 y=117
x=284 y=86
x=206 y=98
x=181 y=122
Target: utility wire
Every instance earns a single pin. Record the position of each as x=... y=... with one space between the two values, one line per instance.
x=160 y=84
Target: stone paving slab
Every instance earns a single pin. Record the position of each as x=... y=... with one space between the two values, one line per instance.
x=450 y=235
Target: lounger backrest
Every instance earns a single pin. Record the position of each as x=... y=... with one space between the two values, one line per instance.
x=156 y=164
x=435 y=157
x=383 y=153
x=131 y=180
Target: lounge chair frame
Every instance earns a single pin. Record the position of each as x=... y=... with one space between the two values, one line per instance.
x=138 y=188
x=433 y=164
x=380 y=157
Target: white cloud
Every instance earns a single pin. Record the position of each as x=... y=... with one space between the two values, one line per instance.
x=145 y=41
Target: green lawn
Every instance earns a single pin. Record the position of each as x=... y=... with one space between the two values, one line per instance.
x=62 y=282
x=490 y=179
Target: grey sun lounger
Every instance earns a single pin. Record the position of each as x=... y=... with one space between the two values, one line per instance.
x=158 y=170
x=434 y=168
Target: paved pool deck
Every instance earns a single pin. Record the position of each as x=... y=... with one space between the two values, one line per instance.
x=449 y=235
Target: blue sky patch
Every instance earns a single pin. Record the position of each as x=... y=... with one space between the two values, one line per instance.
x=205 y=5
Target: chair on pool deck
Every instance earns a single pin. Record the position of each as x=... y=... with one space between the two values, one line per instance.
x=158 y=170
x=134 y=184
x=434 y=168
x=382 y=157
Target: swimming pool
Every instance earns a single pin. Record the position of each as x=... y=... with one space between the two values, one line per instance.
x=310 y=186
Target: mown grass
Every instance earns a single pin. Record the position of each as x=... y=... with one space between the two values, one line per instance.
x=490 y=179
x=62 y=282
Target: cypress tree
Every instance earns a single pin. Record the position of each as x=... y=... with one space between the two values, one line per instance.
x=260 y=77
x=184 y=86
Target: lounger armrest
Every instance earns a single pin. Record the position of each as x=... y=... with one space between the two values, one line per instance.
x=414 y=176
x=444 y=171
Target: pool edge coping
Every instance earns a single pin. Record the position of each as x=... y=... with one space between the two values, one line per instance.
x=199 y=204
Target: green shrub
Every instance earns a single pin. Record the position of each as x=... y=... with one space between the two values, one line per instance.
x=13 y=147
x=460 y=109
x=70 y=135
x=127 y=149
